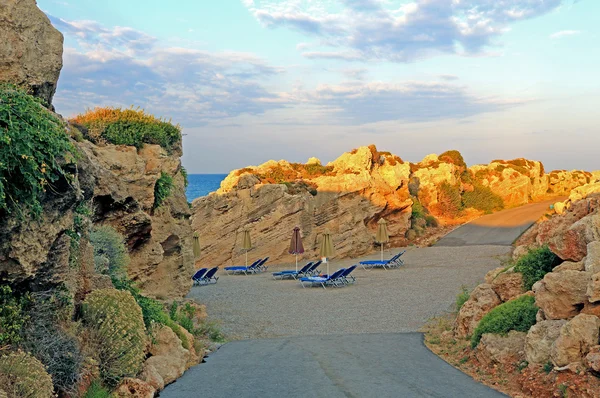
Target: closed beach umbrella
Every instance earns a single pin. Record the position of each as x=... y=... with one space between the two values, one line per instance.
x=296 y=245
x=382 y=236
x=327 y=249
x=196 y=245
x=246 y=243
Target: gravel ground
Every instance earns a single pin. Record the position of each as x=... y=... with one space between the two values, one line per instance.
x=392 y=301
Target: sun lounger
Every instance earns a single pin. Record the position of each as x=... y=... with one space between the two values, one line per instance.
x=292 y=273
x=333 y=279
x=346 y=277
x=313 y=270
x=198 y=275
x=209 y=277
x=393 y=262
x=238 y=269
x=261 y=266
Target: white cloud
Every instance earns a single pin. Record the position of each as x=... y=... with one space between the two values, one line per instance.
x=384 y=30
x=564 y=33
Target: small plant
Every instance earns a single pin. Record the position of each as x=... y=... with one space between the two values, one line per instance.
x=23 y=376
x=563 y=390
x=482 y=198
x=162 y=189
x=548 y=367
x=210 y=330
x=522 y=365
x=96 y=390
x=462 y=297
x=431 y=221
x=128 y=127
x=518 y=314
x=118 y=330
x=33 y=143
x=110 y=253
x=535 y=264
x=11 y=316
x=449 y=199
x=463 y=360
x=184 y=174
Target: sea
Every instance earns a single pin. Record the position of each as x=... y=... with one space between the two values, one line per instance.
x=203 y=184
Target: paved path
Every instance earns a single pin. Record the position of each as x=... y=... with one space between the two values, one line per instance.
x=501 y=228
x=329 y=348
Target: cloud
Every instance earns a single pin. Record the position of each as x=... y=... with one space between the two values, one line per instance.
x=448 y=78
x=122 y=66
x=362 y=103
x=377 y=29
x=564 y=33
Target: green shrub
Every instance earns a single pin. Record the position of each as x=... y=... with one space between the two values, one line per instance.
x=455 y=158
x=23 y=376
x=162 y=189
x=462 y=297
x=449 y=199
x=117 y=326
x=11 y=316
x=55 y=347
x=535 y=264
x=482 y=198
x=110 y=253
x=518 y=314
x=548 y=367
x=33 y=143
x=128 y=127
x=431 y=221
x=211 y=330
x=418 y=211
x=96 y=390
x=184 y=174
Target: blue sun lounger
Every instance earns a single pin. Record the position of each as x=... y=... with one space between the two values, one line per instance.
x=313 y=270
x=198 y=275
x=346 y=277
x=292 y=273
x=333 y=279
x=261 y=266
x=393 y=262
x=238 y=269
x=209 y=277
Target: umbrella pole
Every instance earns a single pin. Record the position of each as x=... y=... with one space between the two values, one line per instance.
x=246 y=257
x=296 y=262
x=382 y=252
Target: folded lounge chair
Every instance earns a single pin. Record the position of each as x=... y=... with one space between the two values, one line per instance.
x=333 y=279
x=393 y=262
x=238 y=269
x=313 y=271
x=292 y=273
x=261 y=266
x=346 y=277
x=198 y=275
x=209 y=277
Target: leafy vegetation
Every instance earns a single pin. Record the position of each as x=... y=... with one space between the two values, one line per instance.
x=110 y=254
x=535 y=264
x=96 y=390
x=462 y=297
x=23 y=376
x=33 y=145
x=11 y=317
x=118 y=331
x=482 y=198
x=184 y=174
x=518 y=314
x=454 y=157
x=162 y=189
x=128 y=127
x=449 y=199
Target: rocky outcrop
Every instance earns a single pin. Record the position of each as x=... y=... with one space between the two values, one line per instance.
x=31 y=48
x=562 y=295
x=506 y=350
x=576 y=339
x=482 y=300
x=540 y=339
x=508 y=285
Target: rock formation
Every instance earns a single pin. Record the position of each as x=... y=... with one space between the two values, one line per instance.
x=31 y=48
x=349 y=195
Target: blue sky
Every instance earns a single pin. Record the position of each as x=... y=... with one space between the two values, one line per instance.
x=253 y=80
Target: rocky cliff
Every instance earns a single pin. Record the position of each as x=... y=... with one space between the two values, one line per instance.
x=30 y=47
x=349 y=195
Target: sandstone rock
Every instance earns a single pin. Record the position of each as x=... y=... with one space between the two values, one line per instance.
x=561 y=295
x=134 y=388
x=592 y=261
x=576 y=338
x=508 y=285
x=593 y=290
x=570 y=242
x=592 y=359
x=583 y=191
x=560 y=207
x=505 y=350
x=520 y=251
x=540 y=316
x=151 y=376
x=570 y=266
x=169 y=358
x=313 y=160
x=31 y=48
x=540 y=338
x=491 y=275
x=482 y=300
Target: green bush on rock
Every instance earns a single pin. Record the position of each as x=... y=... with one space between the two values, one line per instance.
x=535 y=264
x=118 y=331
x=11 y=317
x=33 y=143
x=518 y=314
x=162 y=189
x=23 y=376
x=482 y=198
x=110 y=254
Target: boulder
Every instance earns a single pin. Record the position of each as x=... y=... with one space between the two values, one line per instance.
x=31 y=48
x=482 y=300
x=169 y=358
x=561 y=295
x=570 y=242
x=592 y=261
x=134 y=388
x=570 y=266
x=508 y=285
x=504 y=350
x=576 y=339
x=540 y=338
x=592 y=359
x=593 y=289
x=520 y=251
x=151 y=376
x=491 y=275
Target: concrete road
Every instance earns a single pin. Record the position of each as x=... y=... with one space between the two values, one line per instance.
x=501 y=228
x=365 y=365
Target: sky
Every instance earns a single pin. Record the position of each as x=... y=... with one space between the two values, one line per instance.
x=253 y=80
